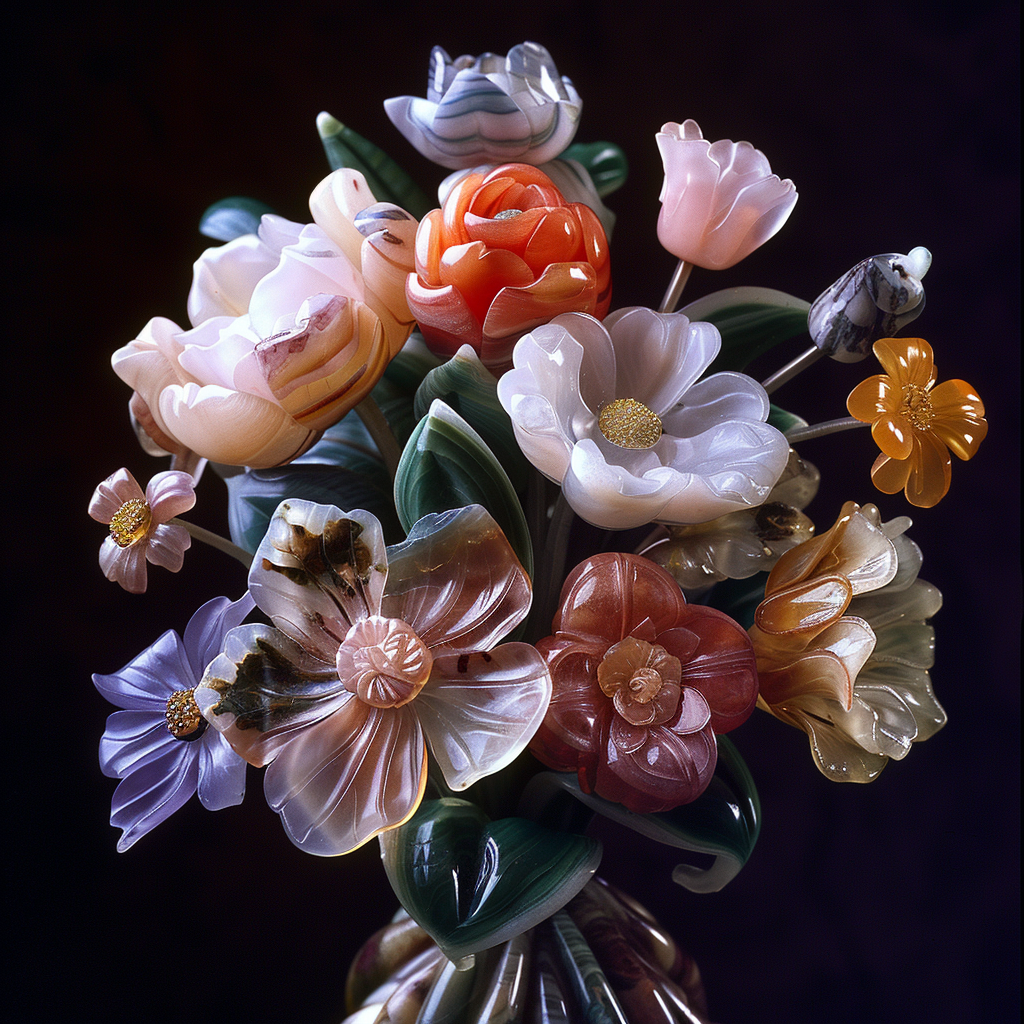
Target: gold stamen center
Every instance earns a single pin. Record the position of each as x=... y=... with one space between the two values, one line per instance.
x=131 y=522
x=917 y=406
x=182 y=714
x=629 y=424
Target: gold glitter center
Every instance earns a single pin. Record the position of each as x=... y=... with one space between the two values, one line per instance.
x=917 y=406
x=131 y=522
x=507 y=214
x=629 y=424
x=182 y=714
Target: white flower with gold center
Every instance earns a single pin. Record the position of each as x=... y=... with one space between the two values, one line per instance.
x=614 y=412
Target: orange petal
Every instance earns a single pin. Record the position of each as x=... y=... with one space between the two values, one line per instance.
x=562 y=288
x=509 y=233
x=930 y=473
x=480 y=273
x=890 y=476
x=807 y=607
x=874 y=397
x=959 y=417
x=894 y=435
x=446 y=321
x=428 y=248
x=556 y=239
x=906 y=360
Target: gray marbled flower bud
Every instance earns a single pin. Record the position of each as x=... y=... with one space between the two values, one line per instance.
x=875 y=299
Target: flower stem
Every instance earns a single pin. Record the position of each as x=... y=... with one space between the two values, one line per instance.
x=380 y=430
x=214 y=540
x=792 y=368
x=796 y=434
x=675 y=287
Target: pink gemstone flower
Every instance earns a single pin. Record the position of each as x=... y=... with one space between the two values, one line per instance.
x=139 y=530
x=376 y=655
x=641 y=682
x=720 y=201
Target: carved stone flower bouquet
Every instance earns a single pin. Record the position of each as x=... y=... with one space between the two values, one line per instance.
x=517 y=558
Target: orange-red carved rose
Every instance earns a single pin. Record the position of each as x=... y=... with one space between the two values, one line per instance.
x=505 y=254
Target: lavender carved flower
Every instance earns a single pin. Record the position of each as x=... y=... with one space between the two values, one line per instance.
x=159 y=746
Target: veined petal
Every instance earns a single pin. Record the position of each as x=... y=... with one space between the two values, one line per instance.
x=169 y=494
x=125 y=566
x=959 y=417
x=264 y=689
x=221 y=774
x=166 y=547
x=348 y=778
x=480 y=711
x=133 y=739
x=152 y=794
x=457 y=604
x=659 y=356
x=318 y=571
x=234 y=428
x=720 y=398
x=112 y=493
x=145 y=683
x=930 y=472
x=204 y=635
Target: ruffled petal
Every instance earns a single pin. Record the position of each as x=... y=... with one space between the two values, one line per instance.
x=906 y=360
x=457 y=604
x=170 y=494
x=152 y=794
x=204 y=635
x=341 y=782
x=133 y=739
x=480 y=711
x=145 y=683
x=166 y=547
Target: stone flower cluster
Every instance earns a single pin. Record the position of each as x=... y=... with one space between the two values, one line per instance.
x=405 y=505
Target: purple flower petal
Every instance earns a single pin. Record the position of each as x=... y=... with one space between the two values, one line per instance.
x=152 y=794
x=132 y=740
x=148 y=680
x=221 y=773
x=205 y=632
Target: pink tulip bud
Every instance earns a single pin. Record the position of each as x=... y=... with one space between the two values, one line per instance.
x=720 y=200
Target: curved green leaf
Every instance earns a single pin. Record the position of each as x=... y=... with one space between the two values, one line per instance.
x=783 y=420
x=472 y=883
x=232 y=217
x=605 y=162
x=446 y=465
x=468 y=387
x=723 y=822
x=388 y=182
x=254 y=495
x=752 y=321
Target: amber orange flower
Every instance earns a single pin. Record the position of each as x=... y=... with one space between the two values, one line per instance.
x=915 y=423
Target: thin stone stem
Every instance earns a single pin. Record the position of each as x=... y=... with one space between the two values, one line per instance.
x=791 y=369
x=550 y=570
x=380 y=430
x=675 y=287
x=796 y=434
x=214 y=540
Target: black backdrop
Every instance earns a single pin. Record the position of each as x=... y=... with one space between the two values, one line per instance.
x=896 y=901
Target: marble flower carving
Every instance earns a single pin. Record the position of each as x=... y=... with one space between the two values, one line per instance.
x=291 y=328
x=720 y=200
x=490 y=109
x=375 y=655
x=614 y=414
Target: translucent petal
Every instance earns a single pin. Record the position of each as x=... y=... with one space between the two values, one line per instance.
x=342 y=781
x=221 y=773
x=133 y=739
x=205 y=632
x=224 y=276
x=145 y=683
x=480 y=711
x=152 y=794
x=906 y=360
x=264 y=689
x=319 y=570
x=720 y=398
x=457 y=605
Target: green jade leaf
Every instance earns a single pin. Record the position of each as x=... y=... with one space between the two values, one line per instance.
x=783 y=420
x=253 y=497
x=233 y=217
x=447 y=465
x=723 y=822
x=472 y=883
x=752 y=321
x=468 y=387
x=605 y=162
x=387 y=181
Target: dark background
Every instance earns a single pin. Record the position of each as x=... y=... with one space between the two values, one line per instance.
x=897 y=901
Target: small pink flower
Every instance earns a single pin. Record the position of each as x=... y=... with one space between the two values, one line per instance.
x=720 y=200
x=138 y=525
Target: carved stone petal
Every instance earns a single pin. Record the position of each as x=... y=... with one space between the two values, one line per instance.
x=456 y=581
